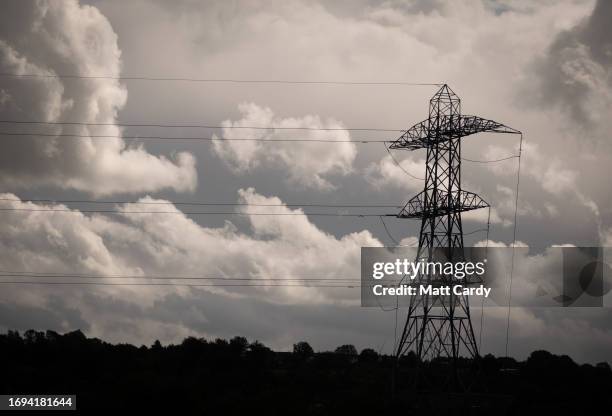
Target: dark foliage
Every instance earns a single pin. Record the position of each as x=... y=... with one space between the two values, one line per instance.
x=221 y=377
x=303 y=350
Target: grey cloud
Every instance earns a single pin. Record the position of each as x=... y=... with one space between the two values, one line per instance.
x=54 y=314
x=581 y=333
x=575 y=73
x=50 y=38
x=476 y=48
x=171 y=244
x=307 y=164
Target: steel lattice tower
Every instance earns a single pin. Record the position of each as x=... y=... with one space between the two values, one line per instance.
x=440 y=326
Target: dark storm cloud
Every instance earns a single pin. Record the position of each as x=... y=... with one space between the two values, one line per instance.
x=576 y=72
x=55 y=315
x=209 y=315
x=581 y=332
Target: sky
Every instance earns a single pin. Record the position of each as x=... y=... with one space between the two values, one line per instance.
x=540 y=67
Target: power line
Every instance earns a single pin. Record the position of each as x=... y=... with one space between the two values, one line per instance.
x=240 y=282
x=8 y=273
x=518 y=181
x=218 y=80
x=399 y=165
x=209 y=139
x=239 y=139
x=489 y=161
x=191 y=125
x=483 y=298
x=51 y=283
x=323 y=214
x=387 y=231
x=84 y=201
x=480 y=230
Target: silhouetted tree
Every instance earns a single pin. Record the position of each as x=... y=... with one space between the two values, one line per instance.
x=303 y=350
x=368 y=355
x=239 y=345
x=211 y=377
x=259 y=355
x=347 y=349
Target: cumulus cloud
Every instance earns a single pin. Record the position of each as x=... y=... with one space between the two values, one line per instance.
x=549 y=172
x=306 y=163
x=481 y=51
x=169 y=243
x=404 y=174
x=65 y=38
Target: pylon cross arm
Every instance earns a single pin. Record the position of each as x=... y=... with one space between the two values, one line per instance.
x=458 y=202
x=447 y=127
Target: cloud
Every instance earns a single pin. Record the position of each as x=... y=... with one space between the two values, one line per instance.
x=482 y=49
x=549 y=172
x=483 y=52
x=387 y=173
x=576 y=73
x=169 y=243
x=482 y=216
x=51 y=38
x=410 y=241
x=306 y=163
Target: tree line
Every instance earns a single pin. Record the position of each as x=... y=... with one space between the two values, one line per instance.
x=235 y=375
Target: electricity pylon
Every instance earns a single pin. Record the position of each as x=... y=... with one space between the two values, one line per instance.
x=440 y=326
